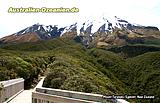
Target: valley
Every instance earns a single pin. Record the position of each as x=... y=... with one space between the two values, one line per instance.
x=70 y=66
x=117 y=58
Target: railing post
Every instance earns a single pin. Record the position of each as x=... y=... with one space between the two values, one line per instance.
x=1 y=90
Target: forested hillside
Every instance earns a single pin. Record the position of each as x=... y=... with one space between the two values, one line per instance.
x=69 y=65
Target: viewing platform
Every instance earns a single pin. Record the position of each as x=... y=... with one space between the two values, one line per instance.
x=10 y=88
x=49 y=95
x=12 y=91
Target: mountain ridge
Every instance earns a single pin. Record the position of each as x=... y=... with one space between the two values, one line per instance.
x=98 y=32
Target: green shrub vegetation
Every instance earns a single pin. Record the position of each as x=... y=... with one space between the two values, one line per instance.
x=127 y=70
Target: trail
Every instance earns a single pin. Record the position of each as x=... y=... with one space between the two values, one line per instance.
x=23 y=97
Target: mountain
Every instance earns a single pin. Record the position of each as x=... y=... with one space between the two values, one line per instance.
x=35 y=33
x=104 y=56
x=102 y=32
x=116 y=32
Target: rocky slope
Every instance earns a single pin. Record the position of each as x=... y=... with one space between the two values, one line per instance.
x=100 y=33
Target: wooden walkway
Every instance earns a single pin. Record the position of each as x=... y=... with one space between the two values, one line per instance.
x=23 y=97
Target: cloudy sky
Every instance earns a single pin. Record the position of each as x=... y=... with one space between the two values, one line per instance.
x=144 y=12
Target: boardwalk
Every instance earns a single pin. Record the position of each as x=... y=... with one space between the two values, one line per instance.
x=24 y=97
x=41 y=94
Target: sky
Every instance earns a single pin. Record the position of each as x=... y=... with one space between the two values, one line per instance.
x=143 y=12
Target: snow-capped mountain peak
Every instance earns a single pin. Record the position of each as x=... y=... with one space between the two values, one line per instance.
x=88 y=28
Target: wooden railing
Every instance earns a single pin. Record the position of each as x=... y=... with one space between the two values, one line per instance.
x=49 y=95
x=10 y=88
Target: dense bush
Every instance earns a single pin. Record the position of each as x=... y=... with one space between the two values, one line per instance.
x=145 y=75
x=134 y=50
x=14 y=67
x=54 y=79
x=67 y=65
